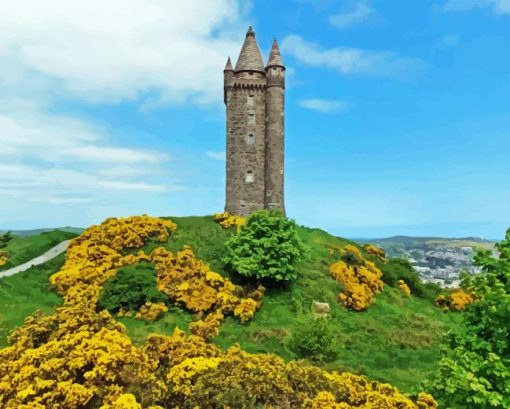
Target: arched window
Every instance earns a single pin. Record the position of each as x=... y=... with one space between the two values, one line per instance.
x=250 y=139
x=251 y=119
x=249 y=177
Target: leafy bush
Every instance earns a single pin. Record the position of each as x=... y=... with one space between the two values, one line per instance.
x=314 y=339
x=5 y=238
x=130 y=289
x=474 y=370
x=375 y=251
x=268 y=247
x=396 y=269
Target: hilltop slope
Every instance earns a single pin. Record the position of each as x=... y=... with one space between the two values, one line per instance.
x=395 y=341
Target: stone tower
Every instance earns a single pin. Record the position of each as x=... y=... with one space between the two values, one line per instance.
x=254 y=96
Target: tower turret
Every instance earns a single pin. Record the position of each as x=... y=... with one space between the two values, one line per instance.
x=228 y=76
x=275 y=102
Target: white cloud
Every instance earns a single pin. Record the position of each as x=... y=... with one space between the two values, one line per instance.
x=361 y=12
x=120 y=49
x=349 y=60
x=216 y=155
x=115 y=155
x=61 y=161
x=106 y=52
x=496 y=6
x=140 y=186
x=55 y=166
x=60 y=200
x=323 y=105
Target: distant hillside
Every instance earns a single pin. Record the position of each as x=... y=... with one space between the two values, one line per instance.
x=437 y=259
x=36 y=232
x=396 y=246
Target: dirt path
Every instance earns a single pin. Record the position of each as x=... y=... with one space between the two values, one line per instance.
x=43 y=258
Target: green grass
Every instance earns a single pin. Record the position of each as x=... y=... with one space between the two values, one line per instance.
x=24 y=293
x=395 y=341
x=23 y=249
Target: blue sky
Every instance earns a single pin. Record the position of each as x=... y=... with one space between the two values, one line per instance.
x=397 y=115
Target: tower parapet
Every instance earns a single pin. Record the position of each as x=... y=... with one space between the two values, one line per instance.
x=254 y=98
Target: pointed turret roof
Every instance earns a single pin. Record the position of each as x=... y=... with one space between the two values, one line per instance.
x=228 y=66
x=250 y=58
x=275 y=58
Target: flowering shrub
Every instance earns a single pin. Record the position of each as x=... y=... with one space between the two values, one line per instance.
x=237 y=379
x=404 y=288
x=209 y=327
x=151 y=311
x=227 y=220
x=3 y=259
x=245 y=309
x=375 y=251
x=191 y=282
x=457 y=300
x=360 y=278
x=125 y=401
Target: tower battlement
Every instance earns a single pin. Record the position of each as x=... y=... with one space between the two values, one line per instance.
x=255 y=99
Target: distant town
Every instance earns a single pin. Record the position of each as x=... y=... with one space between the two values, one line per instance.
x=437 y=260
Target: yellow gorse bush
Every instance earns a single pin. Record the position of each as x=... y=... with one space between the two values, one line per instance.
x=360 y=279
x=79 y=357
x=228 y=220
x=404 y=288
x=375 y=251
x=151 y=311
x=457 y=300
x=3 y=258
x=238 y=378
x=190 y=282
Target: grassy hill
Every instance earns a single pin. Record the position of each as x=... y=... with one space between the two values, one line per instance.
x=26 y=247
x=395 y=341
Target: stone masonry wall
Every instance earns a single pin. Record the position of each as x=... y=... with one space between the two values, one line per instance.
x=246 y=112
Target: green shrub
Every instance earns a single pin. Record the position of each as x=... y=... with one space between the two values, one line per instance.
x=314 y=340
x=5 y=238
x=131 y=288
x=400 y=269
x=474 y=370
x=267 y=247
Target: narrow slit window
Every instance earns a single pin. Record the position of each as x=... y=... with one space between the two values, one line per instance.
x=250 y=139
x=251 y=119
x=249 y=177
